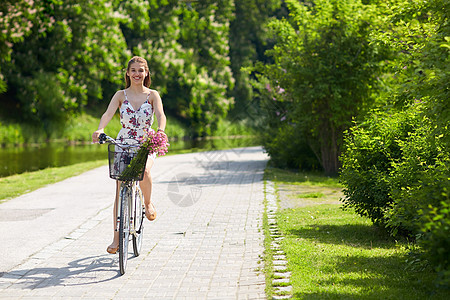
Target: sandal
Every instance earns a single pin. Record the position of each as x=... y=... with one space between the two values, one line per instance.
x=152 y=215
x=112 y=250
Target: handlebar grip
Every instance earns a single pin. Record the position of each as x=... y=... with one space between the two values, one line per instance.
x=101 y=138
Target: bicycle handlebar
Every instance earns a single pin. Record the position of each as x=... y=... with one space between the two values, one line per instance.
x=102 y=138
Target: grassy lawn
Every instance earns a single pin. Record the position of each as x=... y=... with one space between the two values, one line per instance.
x=335 y=254
x=15 y=185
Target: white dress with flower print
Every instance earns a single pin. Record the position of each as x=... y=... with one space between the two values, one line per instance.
x=134 y=121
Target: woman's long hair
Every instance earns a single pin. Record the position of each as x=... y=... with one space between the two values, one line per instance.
x=147 y=79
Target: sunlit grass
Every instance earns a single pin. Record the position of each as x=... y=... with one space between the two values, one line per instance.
x=310 y=195
x=15 y=185
x=300 y=178
x=336 y=254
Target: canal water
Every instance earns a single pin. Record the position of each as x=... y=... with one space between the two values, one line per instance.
x=16 y=160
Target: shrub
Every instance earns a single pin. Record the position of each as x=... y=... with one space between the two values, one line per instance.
x=288 y=148
x=396 y=172
x=367 y=162
x=420 y=186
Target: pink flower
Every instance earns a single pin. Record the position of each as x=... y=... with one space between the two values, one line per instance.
x=155 y=142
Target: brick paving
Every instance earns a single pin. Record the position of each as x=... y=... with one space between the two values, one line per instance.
x=206 y=243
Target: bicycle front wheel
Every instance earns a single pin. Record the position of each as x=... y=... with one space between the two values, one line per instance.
x=138 y=221
x=124 y=227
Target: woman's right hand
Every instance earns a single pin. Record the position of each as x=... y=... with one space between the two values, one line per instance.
x=95 y=135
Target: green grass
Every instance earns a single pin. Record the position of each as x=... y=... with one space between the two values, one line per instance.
x=15 y=185
x=227 y=127
x=300 y=178
x=336 y=254
x=310 y=195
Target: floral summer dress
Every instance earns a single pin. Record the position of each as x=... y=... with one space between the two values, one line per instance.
x=134 y=121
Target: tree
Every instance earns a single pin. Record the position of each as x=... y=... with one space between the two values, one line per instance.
x=53 y=74
x=248 y=42
x=324 y=71
x=187 y=46
x=17 y=20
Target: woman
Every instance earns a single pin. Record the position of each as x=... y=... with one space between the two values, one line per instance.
x=137 y=104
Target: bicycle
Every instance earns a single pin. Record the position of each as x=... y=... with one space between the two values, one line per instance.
x=130 y=206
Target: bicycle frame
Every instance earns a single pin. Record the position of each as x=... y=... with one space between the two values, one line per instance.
x=131 y=197
x=128 y=214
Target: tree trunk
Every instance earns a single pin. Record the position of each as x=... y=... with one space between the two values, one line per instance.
x=329 y=148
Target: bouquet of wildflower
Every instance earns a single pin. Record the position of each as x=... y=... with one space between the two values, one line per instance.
x=155 y=142
x=151 y=142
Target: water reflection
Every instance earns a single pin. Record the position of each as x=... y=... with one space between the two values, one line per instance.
x=16 y=160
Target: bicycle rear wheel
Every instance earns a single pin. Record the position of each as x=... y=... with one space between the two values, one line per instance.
x=124 y=227
x=138 y=221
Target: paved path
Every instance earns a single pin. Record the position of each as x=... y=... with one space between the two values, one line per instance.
x=207 y=242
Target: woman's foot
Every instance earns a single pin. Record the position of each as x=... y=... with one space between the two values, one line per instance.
x=112 y=249
x=150 y=212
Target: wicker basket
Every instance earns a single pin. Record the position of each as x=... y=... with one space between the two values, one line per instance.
x=120 y=156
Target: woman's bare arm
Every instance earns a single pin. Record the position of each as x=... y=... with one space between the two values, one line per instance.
x=159 y=111
x=108 y=115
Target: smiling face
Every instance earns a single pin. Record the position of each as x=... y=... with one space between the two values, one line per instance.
x=137 y=72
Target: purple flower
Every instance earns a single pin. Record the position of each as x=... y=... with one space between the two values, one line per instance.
x=155 y=142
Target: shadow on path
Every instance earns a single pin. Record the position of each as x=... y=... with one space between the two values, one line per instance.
x=84 y=271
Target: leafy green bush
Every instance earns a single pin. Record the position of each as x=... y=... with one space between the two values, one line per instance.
x=420 y=186
x=10 y=134
x=435 y=237
x=288 y=148
x=396 y=172
x=371 y=149
x=418 y=177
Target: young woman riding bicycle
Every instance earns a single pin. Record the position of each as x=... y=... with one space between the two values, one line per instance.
x=137 y=104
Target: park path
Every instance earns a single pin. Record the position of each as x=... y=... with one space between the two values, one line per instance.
x=206 y=243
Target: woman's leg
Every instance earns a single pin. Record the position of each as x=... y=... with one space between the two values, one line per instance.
x=115 y=244
x=146 y=188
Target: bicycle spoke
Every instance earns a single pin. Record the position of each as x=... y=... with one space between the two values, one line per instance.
x=124 y=229
x=138 y=221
